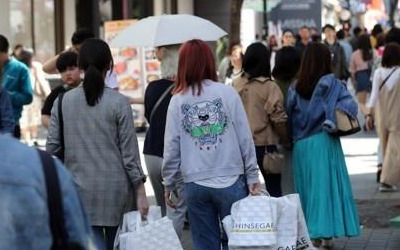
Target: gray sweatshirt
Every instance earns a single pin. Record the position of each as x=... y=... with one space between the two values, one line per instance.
x=208 y=136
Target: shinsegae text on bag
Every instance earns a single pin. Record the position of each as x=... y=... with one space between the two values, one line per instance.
x=254 y=227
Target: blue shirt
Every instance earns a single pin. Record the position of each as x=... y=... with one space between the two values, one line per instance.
x=24 y=213
x=7 y=122
x=16 y=80
x=309 y=117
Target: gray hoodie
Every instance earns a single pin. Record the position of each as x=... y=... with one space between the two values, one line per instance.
x=208 y=136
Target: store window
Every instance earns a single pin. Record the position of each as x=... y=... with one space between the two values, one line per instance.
x=30 y=23
x=44 y=29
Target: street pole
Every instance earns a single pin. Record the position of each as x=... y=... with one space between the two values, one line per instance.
x=265 y=18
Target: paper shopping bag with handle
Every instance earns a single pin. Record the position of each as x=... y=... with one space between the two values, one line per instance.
x=254 y=222
x=291 y=228
x=291 y=225
x=157 y=235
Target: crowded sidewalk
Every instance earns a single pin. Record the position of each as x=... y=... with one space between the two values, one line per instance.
x=375 y=208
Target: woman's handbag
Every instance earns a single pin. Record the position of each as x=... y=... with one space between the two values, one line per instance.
x=274 y=161
x=346 y=125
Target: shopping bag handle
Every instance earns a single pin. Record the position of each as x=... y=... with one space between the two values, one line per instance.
x=263 y=192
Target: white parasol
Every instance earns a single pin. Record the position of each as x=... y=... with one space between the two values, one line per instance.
x=161 y=30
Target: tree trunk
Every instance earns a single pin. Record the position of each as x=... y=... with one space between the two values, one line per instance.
x=236 y=8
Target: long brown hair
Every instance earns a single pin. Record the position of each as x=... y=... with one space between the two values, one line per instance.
x=316 y=62
x=364 y=44
x=196 y=63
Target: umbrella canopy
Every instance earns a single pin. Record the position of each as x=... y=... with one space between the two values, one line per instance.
x=162 y=30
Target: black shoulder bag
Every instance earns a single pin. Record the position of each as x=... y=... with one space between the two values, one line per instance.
x=160 y=100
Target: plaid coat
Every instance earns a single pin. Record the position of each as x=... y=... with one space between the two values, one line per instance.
x=101 y=152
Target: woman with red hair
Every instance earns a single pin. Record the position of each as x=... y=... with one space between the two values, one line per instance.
x=207 y=140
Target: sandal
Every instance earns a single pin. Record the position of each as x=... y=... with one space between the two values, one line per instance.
x=327 y=243
x=316 y=242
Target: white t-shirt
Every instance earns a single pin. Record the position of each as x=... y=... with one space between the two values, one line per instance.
x=218 y=182
x=379 y=76
x=111 y=80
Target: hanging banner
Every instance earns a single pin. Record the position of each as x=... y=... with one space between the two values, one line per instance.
x=293 y=14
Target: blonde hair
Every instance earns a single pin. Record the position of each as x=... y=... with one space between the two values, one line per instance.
x=169 y=62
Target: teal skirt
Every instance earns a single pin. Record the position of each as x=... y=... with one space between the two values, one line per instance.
x=322 y=181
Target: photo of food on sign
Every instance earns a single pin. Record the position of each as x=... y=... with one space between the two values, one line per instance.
x=129 y=53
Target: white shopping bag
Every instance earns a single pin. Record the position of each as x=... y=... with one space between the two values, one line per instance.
x=292 y=228
x=157 y=235
x=253 y=221
x=131 y=222
x=292 y=232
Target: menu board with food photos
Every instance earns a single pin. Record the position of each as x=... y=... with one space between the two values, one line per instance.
x=135 y=67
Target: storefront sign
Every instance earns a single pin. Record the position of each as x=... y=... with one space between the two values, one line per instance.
x=293 y=14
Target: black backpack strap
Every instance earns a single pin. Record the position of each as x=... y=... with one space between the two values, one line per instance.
x=54 y=202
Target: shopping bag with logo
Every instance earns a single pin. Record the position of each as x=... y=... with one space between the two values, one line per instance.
x=159 y=234
x=291 y=226
x=131 y=222
x=292 y=232
x=253 y=222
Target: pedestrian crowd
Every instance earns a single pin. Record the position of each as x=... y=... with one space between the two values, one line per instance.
x=275 y=108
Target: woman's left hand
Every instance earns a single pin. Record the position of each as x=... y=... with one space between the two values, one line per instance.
x=255 y=188
x=168 y=196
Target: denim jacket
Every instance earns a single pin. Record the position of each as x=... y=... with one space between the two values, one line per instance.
x=309 y=117
x=24 y=213
x=7 y=121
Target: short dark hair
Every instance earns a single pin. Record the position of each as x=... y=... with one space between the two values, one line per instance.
x=328 y=26
x=304 y=27
x=393 y=36
x=26 y=57
x=287 y=63
x=256 y=61
x=287 y=30
x=65 y=60
x=315 y=63
x=376 y=30
x=340 y=34
x=356 y=31
x=81 y=35
x=391 y=55
x=4 y=45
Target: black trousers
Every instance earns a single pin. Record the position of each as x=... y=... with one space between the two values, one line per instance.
x=272 y=181
x=17 y=132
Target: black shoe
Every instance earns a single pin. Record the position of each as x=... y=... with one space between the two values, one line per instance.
x=387 y=188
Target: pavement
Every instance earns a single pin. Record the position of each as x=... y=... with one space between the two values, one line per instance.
x=375 y=208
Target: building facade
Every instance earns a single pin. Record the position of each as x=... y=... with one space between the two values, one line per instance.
x=46 y=26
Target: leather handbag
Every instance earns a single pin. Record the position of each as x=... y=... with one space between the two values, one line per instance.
x=274 y=161
x=346 y=124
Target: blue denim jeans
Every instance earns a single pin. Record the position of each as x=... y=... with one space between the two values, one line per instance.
x=207 y=207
